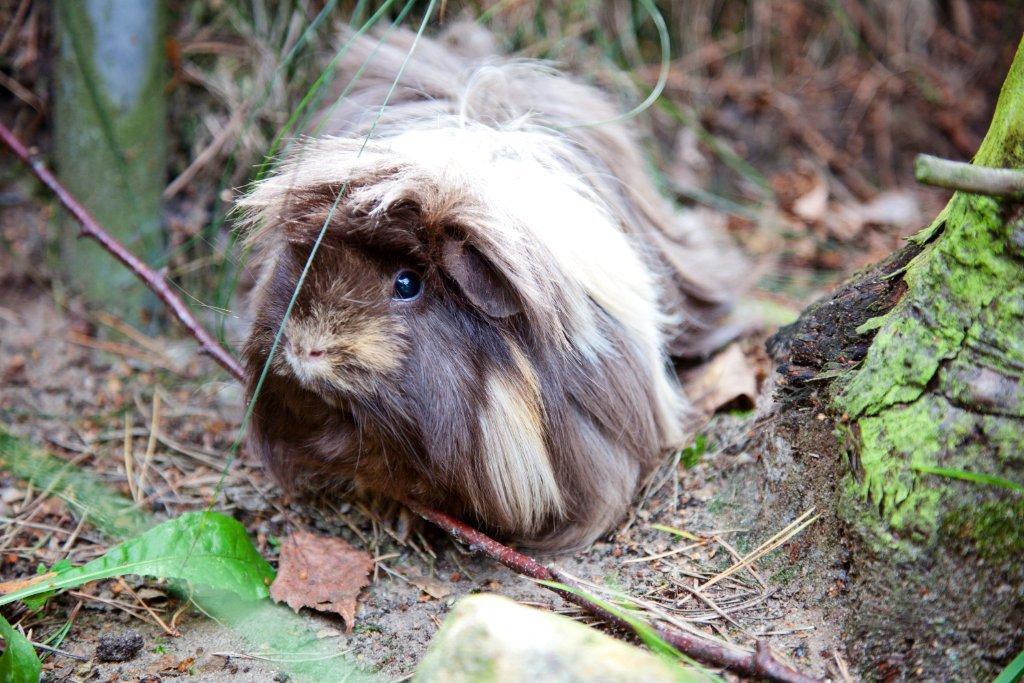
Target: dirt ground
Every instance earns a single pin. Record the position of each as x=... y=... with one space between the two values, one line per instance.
x=831 y=126
x=71 y=399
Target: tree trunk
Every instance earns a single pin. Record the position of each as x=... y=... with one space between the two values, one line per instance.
x=110 y=140
x=915 y=365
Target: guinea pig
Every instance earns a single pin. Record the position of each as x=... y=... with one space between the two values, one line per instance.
x=487 y=321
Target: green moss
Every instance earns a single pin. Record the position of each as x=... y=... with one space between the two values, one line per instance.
x=872 y=530
x=955 y=339
x=995 y=528
x=888 y=482
x=949 y=285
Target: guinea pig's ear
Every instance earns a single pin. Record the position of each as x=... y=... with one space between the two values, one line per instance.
x=480 y=281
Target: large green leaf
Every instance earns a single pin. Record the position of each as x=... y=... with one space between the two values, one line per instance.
x=205 y=548
x=19 y=663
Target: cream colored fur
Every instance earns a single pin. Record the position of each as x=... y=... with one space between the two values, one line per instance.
x=565 y=212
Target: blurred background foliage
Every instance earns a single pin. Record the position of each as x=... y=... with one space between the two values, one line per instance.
x=793 y=124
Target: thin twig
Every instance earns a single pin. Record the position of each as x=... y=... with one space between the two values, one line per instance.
x=761 y=663
x=129 y=456
x=151 y=278
x=154 y=425
x=167 y=629
x=57 y=651
x=958 y=175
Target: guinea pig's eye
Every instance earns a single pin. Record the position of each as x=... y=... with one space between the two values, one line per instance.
x=407 y=285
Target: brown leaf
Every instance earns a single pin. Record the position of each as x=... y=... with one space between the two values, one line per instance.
x=812 y=204
x=729 y=379
x=323 y=573
x=18 y=584
x=435 y=588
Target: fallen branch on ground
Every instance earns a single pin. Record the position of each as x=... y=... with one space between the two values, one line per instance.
x=958 y=175
x=156 y=282
x=761 y=663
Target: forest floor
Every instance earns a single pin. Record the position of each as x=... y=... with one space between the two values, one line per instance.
x=73 y=399
x=76 y=382
x=832 y=144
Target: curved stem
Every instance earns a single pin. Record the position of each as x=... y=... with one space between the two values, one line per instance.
x=154 y=280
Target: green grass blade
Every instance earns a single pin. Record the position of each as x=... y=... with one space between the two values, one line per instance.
x=659 y=87
x=647 y=635
x=251 y=406
x=228 y=281
x=974 y=477
x=1013 y=672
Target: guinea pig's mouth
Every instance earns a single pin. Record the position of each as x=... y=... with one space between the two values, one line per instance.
x=323 y=374
x=310 y=367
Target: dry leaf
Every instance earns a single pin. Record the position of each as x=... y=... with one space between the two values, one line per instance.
x=811 y=205
x=898 y=208
x=729 y=379
x=18 y=584
x=321 y=572
x=435 y=588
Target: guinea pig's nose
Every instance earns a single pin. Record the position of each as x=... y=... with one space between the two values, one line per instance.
x=315 y=353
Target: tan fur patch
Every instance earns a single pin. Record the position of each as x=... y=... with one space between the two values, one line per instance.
x=367 y=343
x=515 y=459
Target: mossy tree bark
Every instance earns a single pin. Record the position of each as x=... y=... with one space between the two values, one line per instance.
x=918 y=365
x=110 y=142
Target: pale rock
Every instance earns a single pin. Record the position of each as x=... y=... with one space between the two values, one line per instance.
x=492 y=638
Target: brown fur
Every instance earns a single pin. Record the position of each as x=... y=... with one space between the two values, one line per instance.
x=511 y=392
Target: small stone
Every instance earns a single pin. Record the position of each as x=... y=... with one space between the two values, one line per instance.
x=119 y=647
x=492 y=638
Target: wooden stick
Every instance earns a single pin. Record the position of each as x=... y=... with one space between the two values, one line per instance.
x=761 y=663
x=957 y=175
x=151 y=278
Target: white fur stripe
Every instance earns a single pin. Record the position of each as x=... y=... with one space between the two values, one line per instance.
x=515 y=460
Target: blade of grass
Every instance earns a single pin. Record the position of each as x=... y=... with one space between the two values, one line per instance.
x=659 y=87
x=645 y=632
x=1013 y=672
x=973 y=477
x=250 y=407
x=228 y=282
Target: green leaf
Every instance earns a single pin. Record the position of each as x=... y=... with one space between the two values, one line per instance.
x=206 y=548
x=37 y=602
x=19 y=663
x=1013 y=672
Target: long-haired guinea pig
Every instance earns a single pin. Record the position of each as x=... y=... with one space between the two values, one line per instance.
x=487 y=323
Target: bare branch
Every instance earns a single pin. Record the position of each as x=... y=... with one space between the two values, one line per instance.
x=151 y=278
x=957 y=175
x=759 y=664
